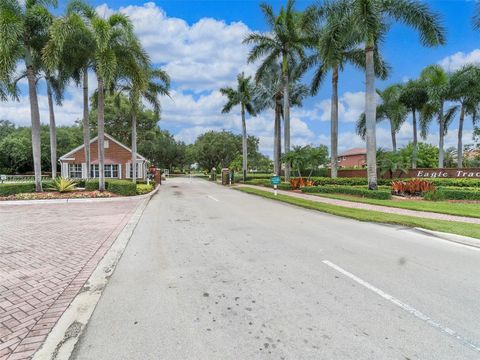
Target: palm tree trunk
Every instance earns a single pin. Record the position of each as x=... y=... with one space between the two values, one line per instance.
x=394 y=137
x=86 y=125
x=415 y=140
x=35 y=118
x=101 y=135
x=334 y=123
x=53 y=130
x=286 y=114
x=371 y=122
x=276 y=142
x=244 y=145
x=460 y=135
x=134 y=146
x=441 y=141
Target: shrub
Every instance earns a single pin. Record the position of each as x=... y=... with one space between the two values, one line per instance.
x=349 y=190
x=16 y=188
x=62 y=185
x=92 y=185
x=122 y=187
x=437 y=195
x=144 y=189
x=412 y=187
x=297 y=183
x=460 y=194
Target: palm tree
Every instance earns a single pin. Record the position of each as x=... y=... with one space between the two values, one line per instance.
x=113 y=43
x=23 y=32
x=71 y=48
x=437 y=84
x=390 y=109
x=285 y=41
x=413 y=96
x=141 y=82
x=465 y=88
x=335 y=45
x=372 y=19
x=242 y=96
x=268 y=94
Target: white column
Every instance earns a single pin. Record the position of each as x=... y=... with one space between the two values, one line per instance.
x=64 y=170
x=119 y=171
x=84 y=171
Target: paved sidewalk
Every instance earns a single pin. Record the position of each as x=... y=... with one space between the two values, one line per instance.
x=385 y=209
x=47 y=252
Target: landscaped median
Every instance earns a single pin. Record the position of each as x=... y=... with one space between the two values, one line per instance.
x=453 y=227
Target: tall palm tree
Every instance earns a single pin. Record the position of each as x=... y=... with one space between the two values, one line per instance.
x=335 y=44
x=372 y=19
x=71 y=48
x=242 y=96
x=23 y=32
x=139 y=81
x=437 y=84
x=414 y=97
x=285 y=41
x=268 y=94
x=113 y=43
x=390 y=109
x=465 y=89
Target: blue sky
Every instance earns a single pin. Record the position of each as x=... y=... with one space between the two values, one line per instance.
x=199 y=44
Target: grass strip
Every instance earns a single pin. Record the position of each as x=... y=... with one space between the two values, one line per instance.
x=440 y=207
x=465 y=229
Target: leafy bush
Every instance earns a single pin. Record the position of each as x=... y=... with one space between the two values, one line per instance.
x=437 y=195
x=144 y=189
x=16 y=188
x=412 y=187
x=119 y=187
x=122 y=187
x=460 y=194
x=62 y=185
x=297 y=183
x=349 y=190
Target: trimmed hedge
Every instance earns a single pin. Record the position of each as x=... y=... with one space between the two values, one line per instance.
x=267 y=183
x=349 y=190
x=475 y=183
x=119 y=187
x=459 y=194
x=144 y=189
x=19 y=188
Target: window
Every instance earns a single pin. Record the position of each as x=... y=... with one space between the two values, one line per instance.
x=138 y=168
x=94 y=171
x=111 y=170
x=75 y=171
x=106 y=144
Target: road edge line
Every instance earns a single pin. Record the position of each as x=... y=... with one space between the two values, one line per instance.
x=60 y=342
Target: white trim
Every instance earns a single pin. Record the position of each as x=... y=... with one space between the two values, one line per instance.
x=64 y=170
x=119 y=171
x=64 y=157
x=84 y=171
x=127 y=170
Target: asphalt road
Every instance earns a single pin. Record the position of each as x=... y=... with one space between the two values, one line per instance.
x=212 y=273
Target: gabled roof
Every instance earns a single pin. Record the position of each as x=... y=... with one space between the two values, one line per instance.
x=354 y=151
x=64 y=157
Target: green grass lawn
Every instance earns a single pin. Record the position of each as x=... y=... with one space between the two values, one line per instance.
x=442 y=207
x=465 y=229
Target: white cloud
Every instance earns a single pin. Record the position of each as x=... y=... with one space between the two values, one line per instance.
x=350 y=106
x=199 y=57
x=459 y=59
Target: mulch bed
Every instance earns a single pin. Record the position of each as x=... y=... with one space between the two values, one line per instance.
x=57 y=195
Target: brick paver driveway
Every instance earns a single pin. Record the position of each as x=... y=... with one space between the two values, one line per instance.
x=47 y=252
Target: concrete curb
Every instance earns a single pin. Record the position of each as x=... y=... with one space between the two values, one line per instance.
x=464 y=240
x=62 y=339
x=66 y=201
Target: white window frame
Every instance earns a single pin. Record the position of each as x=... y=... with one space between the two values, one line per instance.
x=109 y=171
x=75 y=171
